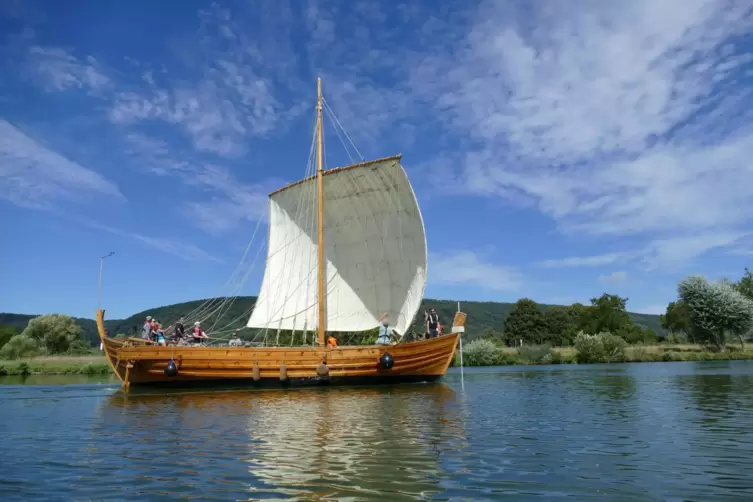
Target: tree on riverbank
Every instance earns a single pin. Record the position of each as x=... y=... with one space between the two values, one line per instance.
x=607 y=313
x=525 y=323
x=54 y=332
x=745 y=285
x=6 y=333
x=676 y=319
x=716 y=311
x=561 y=325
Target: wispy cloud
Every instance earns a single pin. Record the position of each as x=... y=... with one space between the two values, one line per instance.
x=585 y=261
x=230 y=202
x=673 y=253
x=175 y=247
x=669 y=253
x=613 y=118
x=232 y=71
x=236 y=202
x=34 y=176
x=361 y=55
x=466 y=267
x=55 y=69
x=613 y=278
x=234 y=99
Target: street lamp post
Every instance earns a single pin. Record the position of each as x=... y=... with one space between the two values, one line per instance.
x=101 y=264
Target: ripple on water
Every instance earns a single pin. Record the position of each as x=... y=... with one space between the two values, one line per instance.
x=631 y=432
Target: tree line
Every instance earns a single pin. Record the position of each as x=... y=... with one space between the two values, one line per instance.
x=529 y=324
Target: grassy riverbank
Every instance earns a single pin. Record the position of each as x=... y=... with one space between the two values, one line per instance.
x=529 y=355
x=56 y=365
x=532 y=355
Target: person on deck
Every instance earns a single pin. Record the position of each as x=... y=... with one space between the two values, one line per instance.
x=432 y=323
x=198 y=333
x=155 y=327
x=384 y=330
x=160 y=333
x=180 y=330
x=146 y=329
x=331 y=342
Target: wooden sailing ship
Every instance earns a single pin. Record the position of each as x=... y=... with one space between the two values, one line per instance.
x=359 y=251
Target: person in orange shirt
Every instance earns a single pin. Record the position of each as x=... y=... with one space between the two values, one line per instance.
x=331 y=341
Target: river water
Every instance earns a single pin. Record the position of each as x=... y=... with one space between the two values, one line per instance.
x=632 y=432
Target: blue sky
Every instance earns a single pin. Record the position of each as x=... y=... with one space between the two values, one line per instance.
x=558 y=149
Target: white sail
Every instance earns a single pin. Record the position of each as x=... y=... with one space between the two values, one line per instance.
x=375 y=252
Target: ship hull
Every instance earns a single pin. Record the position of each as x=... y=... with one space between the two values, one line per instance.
x=138 y=363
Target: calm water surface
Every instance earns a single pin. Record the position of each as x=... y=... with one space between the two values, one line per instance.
x=662 y=431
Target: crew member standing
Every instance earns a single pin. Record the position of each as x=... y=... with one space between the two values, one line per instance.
x=432 y=324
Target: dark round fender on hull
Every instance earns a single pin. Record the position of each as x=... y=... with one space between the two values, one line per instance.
x=256 y=372
x=283 y=372
x=171 y=369
x=322 y=370
x=386 y=361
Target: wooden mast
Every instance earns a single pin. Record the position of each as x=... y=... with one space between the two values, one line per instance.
x=320 y=210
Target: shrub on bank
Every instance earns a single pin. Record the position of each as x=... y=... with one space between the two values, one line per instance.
x=79 y=348
x=536 y=354
x=642 y=354
x=601 y=348
x=481 y=353
x=19 y=347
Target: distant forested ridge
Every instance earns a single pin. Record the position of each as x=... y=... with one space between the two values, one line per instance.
x=482 y=317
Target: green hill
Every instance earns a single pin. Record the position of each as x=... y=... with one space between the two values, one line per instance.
x=234 y=314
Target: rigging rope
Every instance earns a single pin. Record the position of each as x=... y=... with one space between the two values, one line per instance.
x=385 y=200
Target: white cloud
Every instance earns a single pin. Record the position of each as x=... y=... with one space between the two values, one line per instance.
x=675 y=252
x=56 y=69
x=614 y=118
x=237 y=202
x=231 y=201
x=466 y=267
x=585 y=261
x=233 y=99
x=213 y=123
x=363 y=79
x=613 y=278
x=667 y=253
x=33 y=176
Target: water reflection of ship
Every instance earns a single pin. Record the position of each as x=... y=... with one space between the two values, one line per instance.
x=351 y=443
x=319 y=443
